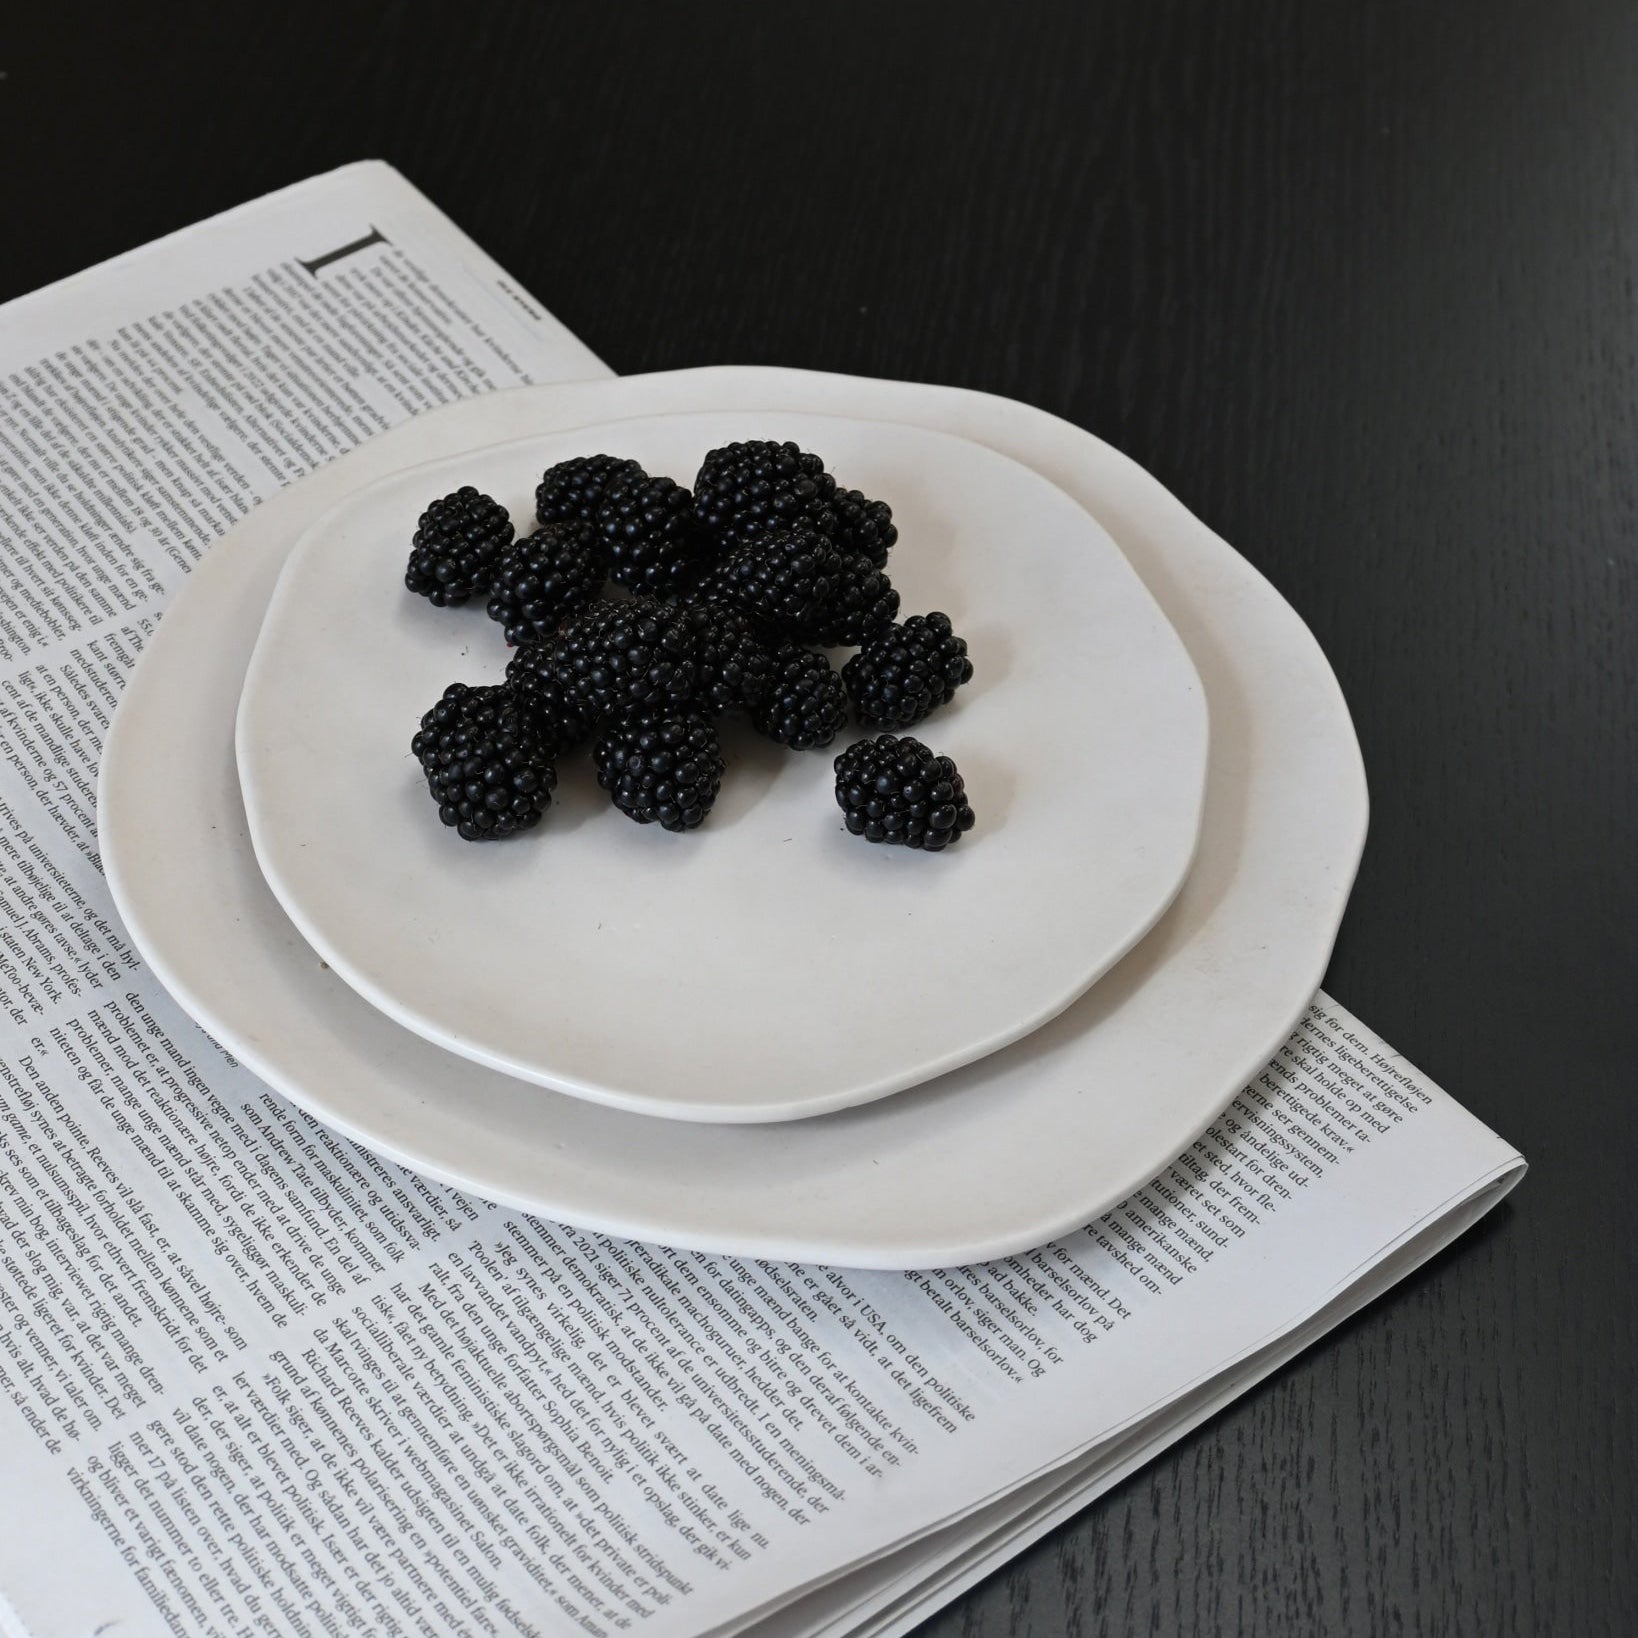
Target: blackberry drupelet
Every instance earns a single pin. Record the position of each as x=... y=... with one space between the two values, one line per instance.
x=654 y=541
x=488 y=770
x=735 y=661
x=783 y=580
x=661 y=767
x=804 y=705
x=897 y=791
x=544 y=578
x=747 y=490
x=862 y=604
x=864 y=527
x=531 y=674
x=900 y=676
x=614 y=656
x=575 y=489
x=458 y=543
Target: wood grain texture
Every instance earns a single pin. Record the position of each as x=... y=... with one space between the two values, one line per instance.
x=1357 y=282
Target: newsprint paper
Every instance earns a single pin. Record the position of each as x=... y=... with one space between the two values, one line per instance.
x=255 y=1380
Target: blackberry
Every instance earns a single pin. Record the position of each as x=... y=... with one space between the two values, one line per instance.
x=488 y=770
x=614 y=656
x=458 y=543
x=532 y=676
x=747 y=490
x=804 y=705
x=895 y=790
x=544 y=578
x=735 y=663
x=785 y=579
x=909 y=670
x=661 y=767
x=864 y=527
x=655 y=542
x=862 y=604
x=575 y=489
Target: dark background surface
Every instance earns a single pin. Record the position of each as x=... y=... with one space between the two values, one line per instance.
x=1357 y=282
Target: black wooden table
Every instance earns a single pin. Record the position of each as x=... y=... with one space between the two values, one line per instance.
x=1357 y=281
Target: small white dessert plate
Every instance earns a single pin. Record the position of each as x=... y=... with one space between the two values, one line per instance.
x=1007 y=1153
x=768 y=966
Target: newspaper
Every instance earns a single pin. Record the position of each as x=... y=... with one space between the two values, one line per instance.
x=255 y=1379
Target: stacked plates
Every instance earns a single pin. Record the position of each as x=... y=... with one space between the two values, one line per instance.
x=765 y=1038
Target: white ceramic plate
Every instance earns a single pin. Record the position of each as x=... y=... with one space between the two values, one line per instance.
x=1004 y=1154
x=769 y=966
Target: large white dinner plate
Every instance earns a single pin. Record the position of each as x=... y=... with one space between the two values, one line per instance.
x=998 y=1156
x=768 y=966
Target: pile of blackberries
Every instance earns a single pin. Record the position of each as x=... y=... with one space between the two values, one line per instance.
x=727 y=594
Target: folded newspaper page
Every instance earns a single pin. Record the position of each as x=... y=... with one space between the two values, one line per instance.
x=255 y=1379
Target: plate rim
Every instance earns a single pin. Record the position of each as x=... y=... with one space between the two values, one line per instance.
x=842 y=1245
